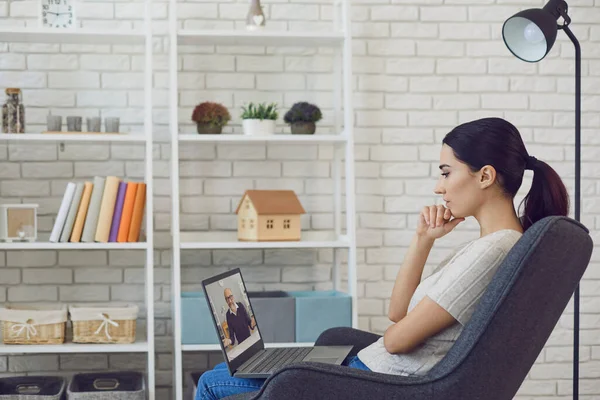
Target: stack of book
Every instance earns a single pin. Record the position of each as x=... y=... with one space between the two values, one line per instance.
x=105 y=210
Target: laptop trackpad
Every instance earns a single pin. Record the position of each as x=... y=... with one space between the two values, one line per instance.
x=328 y=354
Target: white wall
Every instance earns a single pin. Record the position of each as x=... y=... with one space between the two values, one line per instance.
x=421 y=67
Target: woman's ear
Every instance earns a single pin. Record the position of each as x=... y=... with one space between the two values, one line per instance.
x=487 y=176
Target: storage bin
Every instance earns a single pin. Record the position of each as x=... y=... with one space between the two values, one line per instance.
x=197 y=326
x=124 y=385
x=94 y=323
x=275 y=314
x=42 y=324
x=32 y=388
x=320 y=310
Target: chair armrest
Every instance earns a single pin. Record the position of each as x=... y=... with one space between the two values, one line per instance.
x=347 y=336
x=308 y=380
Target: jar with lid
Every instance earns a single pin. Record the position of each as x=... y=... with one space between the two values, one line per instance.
x=13 y=112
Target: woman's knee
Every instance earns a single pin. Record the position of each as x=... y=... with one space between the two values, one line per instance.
x=202 y=391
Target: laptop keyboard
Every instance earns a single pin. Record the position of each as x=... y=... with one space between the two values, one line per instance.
x=274 y=358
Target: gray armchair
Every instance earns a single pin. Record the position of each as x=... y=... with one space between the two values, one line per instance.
x=497 y=348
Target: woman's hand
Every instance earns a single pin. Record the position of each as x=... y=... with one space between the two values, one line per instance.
x=435 y=222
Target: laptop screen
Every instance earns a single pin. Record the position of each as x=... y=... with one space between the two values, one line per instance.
x=232 y=313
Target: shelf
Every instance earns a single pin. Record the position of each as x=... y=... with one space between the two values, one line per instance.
x=277 y=138
x=71 y=246
x=72 y=137
x=259 y=38
x=138 y=347
x=74 y=36
x=211 y=347
x=228 y=240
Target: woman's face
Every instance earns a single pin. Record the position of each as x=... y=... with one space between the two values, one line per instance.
x=460 y=188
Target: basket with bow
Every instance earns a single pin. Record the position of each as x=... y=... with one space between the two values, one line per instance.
x=41 y=324
x=103 y=323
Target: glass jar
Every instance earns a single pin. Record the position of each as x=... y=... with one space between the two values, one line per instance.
x=13 y=112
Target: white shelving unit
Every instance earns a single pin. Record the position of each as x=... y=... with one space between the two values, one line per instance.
x=76 y=36
x=73 y=246
x=340 y=39
x=71 y=137
x=145 y=341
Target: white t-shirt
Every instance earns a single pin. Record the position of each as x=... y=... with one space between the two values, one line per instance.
x=456 y=284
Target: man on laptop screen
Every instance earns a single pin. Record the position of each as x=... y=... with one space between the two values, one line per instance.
x=237 y=325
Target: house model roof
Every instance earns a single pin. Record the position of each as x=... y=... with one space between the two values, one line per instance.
x=273 y=202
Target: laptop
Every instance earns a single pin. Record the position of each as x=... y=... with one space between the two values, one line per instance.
x=239 y=333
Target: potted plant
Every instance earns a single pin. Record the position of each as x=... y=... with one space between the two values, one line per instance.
x=302 y=117
x=259 y=119
x=210 y=117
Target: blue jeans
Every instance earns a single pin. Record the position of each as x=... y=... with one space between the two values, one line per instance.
x=217 y=384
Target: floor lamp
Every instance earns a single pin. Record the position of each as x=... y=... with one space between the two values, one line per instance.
x=529 y=35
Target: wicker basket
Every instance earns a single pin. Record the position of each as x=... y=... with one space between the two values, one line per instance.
x=103 y=323
x=41 y=324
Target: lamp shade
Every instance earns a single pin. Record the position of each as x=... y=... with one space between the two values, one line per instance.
x=530 y=34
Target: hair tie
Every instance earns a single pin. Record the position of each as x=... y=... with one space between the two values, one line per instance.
x=531 y=163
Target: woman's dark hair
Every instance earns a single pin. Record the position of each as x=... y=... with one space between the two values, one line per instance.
x=496 y=142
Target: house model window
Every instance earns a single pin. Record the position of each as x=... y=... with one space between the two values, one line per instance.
x=276 y=213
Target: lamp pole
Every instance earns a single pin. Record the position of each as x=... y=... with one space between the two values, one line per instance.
x=529 y=35
x=577 y=200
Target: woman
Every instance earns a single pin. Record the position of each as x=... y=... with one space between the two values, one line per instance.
x=482 y=164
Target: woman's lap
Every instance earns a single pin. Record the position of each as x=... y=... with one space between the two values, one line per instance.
x=218 y=384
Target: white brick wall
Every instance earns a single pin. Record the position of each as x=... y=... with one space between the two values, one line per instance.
x=421 y=67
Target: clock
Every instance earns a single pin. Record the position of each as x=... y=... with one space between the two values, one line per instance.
x=57 y=14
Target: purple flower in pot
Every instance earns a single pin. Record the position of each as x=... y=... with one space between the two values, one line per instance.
x=302 y=118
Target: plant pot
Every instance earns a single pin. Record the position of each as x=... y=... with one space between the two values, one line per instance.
x=257 y=127
x=209 y=129
x=303 y=128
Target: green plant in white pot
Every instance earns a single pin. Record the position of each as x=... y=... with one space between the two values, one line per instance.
x=302 y=118
x=259 y=119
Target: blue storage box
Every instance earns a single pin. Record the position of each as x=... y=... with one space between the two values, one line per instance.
x=320 y=310
x=197 y=326
x=275 y=315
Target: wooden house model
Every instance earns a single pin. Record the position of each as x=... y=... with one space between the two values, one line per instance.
x=269 y=215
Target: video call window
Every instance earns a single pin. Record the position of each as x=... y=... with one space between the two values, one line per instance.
x=235 y=319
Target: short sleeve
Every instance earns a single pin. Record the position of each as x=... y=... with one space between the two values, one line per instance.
x=464 y=279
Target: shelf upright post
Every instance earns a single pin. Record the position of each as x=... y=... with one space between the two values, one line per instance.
x=175 y=234
x=349 y=158
x=337 y=155
x=148 y=131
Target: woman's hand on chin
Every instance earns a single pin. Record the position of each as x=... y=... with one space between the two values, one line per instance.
x=436 y=221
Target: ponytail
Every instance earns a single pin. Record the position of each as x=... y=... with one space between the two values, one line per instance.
x=547 y=196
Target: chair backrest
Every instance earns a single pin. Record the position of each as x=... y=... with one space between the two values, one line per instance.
x=516 y=314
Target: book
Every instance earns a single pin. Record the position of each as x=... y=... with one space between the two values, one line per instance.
x=138 y=213
x=127 y=212
x=91 y=219
x=107 y=208
x=62 y=212
x=114 y=227
x=82 y=212
x=70 y=221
